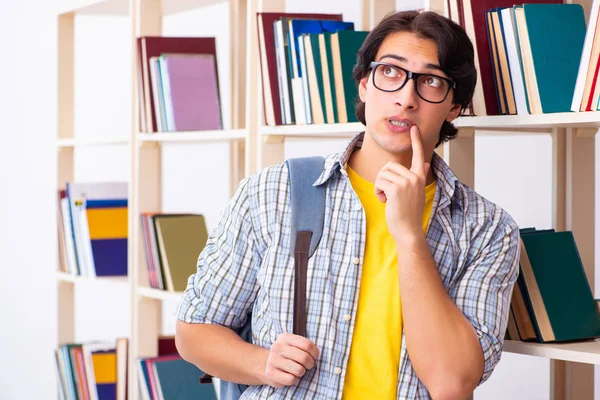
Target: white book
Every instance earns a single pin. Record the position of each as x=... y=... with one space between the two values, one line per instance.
x=514 y=60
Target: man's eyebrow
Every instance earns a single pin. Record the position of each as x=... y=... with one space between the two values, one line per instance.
x=402 y=59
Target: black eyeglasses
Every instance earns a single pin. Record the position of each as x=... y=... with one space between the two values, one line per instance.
x=429 y=87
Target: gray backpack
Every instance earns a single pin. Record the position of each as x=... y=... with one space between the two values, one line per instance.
x=308 y=213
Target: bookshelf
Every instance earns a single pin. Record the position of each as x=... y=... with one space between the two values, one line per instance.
x=254 y=146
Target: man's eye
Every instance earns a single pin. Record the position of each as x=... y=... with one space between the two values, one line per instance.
x=390 y=72
x=433 y=81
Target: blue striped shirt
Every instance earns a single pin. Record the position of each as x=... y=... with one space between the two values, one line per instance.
x=246 y=266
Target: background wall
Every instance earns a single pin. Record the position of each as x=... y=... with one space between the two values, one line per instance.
x=515 y=172
x=27 y=180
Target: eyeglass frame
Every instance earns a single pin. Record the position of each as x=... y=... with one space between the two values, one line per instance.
x=411 y=75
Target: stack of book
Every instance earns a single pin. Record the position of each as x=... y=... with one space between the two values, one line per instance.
x=94 y=371
x=536 y=51
x=178 y=84
x=552 y=300
x=169 y=377
x=93 y=229
x=306 y=67
x=532 y=58
x=172 y=244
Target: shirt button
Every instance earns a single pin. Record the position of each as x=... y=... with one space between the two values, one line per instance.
x=337 y=371
x=357 y=206
x=347 y=317
x=356 y=260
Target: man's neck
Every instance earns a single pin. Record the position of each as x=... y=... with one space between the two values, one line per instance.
x=370 y=159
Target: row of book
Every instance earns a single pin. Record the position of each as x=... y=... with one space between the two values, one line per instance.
x=531 y=58
x=306 y=67
x=93 y=228
x=93 y=236
x=536 y=51
x=98 y=371
x=552 y=300
x=92 y=371
x=178 y=84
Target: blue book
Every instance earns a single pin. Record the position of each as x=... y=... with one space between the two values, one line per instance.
x=298 y=27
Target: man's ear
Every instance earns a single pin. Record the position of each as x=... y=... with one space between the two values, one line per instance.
x=362 y=88
x=453 y=113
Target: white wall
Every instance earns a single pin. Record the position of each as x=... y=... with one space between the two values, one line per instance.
x=514 y=172
x=27 y=180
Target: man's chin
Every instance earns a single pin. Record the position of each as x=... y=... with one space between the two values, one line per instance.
x=394 y=143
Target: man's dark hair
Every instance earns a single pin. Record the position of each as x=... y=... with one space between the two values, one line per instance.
x=455 y=54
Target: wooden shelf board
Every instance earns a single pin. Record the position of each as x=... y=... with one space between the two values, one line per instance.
x=496 y=122
x=341 y=131
x=176 y=6
x=64 y=277
x=157 y=294
x=549 y=121
x=121 y=7
x=194 y=137
x=97 y=141
x=95 y=7
x=587 y=352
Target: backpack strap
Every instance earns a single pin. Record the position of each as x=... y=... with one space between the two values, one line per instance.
x=308 y=215
x=307 y=201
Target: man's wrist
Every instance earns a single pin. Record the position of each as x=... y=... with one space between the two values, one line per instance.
x=409 y=239
x=259 y=364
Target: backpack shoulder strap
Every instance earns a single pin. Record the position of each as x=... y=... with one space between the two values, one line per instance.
x=307 y=201
x=308 y=215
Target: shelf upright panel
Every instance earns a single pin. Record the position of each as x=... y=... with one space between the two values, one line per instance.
x=238 y=26
x=373 y=11
x=145 y=196
x=65 y=170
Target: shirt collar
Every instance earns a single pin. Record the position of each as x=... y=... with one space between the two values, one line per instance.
x=445 y=178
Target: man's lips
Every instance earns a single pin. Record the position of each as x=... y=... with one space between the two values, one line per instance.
x=397 y=124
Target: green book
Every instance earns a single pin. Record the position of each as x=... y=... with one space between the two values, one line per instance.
x=567 y=302
x=318 y=70
x=344 y=47
x=330 y=99
x=180 y=239
x=556 y=37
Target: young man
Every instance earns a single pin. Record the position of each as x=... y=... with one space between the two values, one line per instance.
x=409 y=289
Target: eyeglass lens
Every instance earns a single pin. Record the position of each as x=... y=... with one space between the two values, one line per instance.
x=430 y=87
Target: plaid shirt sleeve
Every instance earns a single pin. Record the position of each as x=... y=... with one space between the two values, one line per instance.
x=224 y=286
x=484 y=292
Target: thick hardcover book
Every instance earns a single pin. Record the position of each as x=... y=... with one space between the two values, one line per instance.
x=561 y=297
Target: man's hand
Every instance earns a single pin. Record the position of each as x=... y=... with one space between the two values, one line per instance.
x=404 y=190
x=289 y=358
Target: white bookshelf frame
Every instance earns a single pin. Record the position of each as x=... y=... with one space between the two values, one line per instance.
x=254 y=146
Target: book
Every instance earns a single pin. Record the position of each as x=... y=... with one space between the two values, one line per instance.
x=155 y=46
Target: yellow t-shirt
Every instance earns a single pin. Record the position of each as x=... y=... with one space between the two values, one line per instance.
x=372 y=370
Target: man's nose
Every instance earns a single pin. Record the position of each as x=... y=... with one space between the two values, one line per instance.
x=407 y=97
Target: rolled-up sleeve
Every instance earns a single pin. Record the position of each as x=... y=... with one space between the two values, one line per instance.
x=484 y=291
x=224 y=286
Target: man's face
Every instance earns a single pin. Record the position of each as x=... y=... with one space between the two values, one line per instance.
x=389 y=115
